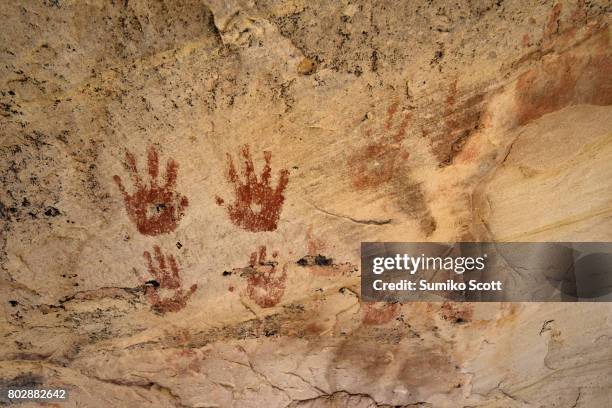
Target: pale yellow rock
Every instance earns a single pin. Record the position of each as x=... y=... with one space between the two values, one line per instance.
x=407 y=122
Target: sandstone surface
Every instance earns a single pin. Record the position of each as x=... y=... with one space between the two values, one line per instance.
x=185 y=185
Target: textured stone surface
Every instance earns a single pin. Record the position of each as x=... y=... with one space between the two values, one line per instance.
x=149 y=258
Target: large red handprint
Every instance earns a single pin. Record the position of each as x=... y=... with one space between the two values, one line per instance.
x=257 y=206
x=156 y=209
x=264 y=287
x=167 y=281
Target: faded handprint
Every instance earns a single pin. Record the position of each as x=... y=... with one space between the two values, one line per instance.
x=156 y=209
x=264 y=286
x=257 y=205
x=166 y=280
x=379 y=313
x=377 y=162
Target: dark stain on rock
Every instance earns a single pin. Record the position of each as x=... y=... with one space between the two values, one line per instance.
x=3 y=211
x=52 y=212
x=410 y=198
x=318 y=260
x=321 y=260
x=26 y=380
x=321 y=265
x=457 y=312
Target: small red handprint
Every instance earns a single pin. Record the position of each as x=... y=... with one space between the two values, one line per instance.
x=167 y=281
x=264 y=287
x=257 y=205
x=155 y=209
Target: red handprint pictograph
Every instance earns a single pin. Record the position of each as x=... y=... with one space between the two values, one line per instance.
x=264 y=286
x=257 y=205
x=165 y=292
x=377 y=162
x=154 y=208
x=379 y=313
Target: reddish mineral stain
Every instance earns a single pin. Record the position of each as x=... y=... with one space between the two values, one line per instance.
x=552 y=25
x=569 y=76
x=526 y=41
x=315 y=245
x=377 y=314
x=378 y=162
x=565 y=80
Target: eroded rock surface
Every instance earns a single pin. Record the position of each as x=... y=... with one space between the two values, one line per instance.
x=186 y=184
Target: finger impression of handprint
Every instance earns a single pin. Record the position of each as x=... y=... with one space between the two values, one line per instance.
x=264 y=285
x=165 y=291
x=257 y=204
x=155 y=208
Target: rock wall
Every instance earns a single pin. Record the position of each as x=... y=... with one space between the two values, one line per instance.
x=186 y=184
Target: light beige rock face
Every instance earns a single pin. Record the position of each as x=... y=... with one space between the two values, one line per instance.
x=149 y=258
